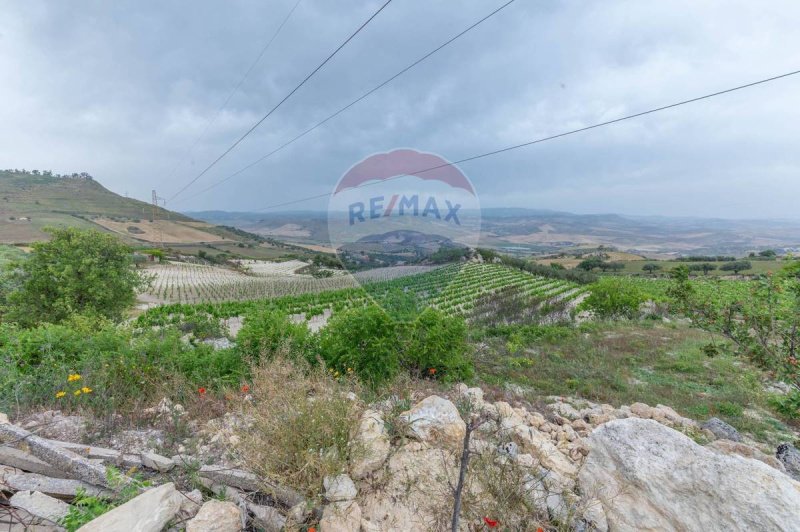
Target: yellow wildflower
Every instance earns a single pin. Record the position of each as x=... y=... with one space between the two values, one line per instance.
x=86 y=389
x=61 y=394
x=76 y=393
x=73 y=377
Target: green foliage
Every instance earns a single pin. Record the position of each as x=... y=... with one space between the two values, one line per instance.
x=368 y=342
x=437 y=347
x=365 y=341
x=651 y=267
x=123 y=367
x=612 y=297
x=86 y=508
x=77 y=271
x=788 y=404
x=268 y=332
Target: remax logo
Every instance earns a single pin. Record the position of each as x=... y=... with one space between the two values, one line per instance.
x=407 y=206
x=400 y=207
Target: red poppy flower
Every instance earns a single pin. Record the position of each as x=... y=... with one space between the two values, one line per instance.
x=312 y=529
x=245 y=388
x=432 y=371
x=201 y=391
x=491 y=523
x=540 y=529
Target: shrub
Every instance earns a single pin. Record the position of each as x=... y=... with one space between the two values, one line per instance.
x=611 y=297
x=266 y=332
x=362 y=340
x=437 y=346
x=77 y=271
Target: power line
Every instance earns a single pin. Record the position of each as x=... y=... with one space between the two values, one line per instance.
x=551 y=137
x=247 y=133
x=233 y=91
x=351 y=104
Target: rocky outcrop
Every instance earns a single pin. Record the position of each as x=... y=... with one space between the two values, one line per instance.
x=370 y=445
x=149 y=512
x=722 y=430
x=435 y=420
x=40 y=505
x=649 y=477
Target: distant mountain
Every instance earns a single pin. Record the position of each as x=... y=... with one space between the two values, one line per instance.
x=31 y=201
x=547 y=231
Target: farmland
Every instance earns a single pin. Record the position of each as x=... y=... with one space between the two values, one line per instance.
x=454 y=289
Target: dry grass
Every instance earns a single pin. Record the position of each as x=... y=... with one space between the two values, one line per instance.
x=302 y=420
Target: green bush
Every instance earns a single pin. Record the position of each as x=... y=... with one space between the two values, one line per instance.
x=122 y=368
x=267 y=332
x=437 y=346
x=364 y=341
x=612 y=297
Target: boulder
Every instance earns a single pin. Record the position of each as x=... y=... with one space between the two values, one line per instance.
x=217 y=516
x=641 y=410
x=341 y=517
x=339 y=488
x=721 y=430
x=650 y=477
x=435 y=420
x=371 y=445
x=40 y=505
x=789 y=456
x=190 y=504
x=149 y=512
x=732 y=447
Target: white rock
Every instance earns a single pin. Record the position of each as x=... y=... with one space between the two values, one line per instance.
x=371 y=445
x=341 y=517
x=216 y=516
x=157 y=462
x=40 y=505
x=650 y=477
x=435 y=420
x=3 y=418
x=339 y=488
x=149 y=512
x=190 y=504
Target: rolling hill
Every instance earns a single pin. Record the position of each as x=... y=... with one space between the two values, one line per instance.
x=31 y=201
x=515 y=230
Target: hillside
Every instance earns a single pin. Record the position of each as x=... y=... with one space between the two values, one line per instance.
x=31 y=201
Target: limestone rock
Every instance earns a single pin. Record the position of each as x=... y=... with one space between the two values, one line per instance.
x=720 y=429
x=650 y=477
x=790 y=458
x=40 y=505
x=339 y=488
x=641 y=410
x=216 y=516
x=55 y=487
x=156 y=462
x=371 y=444
x=435 y=420
x=741 y=449
x=341 y=517
x=27 y=462
x=190 y=504
x=149 y=512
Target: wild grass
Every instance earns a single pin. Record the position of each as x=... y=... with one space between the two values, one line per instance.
x=626 y=362
x=299 y=424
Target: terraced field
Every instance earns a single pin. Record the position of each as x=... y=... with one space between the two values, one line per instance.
x=454 y=289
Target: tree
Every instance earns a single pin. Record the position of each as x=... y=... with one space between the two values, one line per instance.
x=767 y=254
x=590 y=264
x=736 y=266
x=651 y=268
x=76 y=272
x=616 y=266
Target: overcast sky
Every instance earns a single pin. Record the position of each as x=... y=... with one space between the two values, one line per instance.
x=123 y=89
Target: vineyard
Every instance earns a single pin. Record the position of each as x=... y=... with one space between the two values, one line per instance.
x=454 y=289
x=182 y=282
